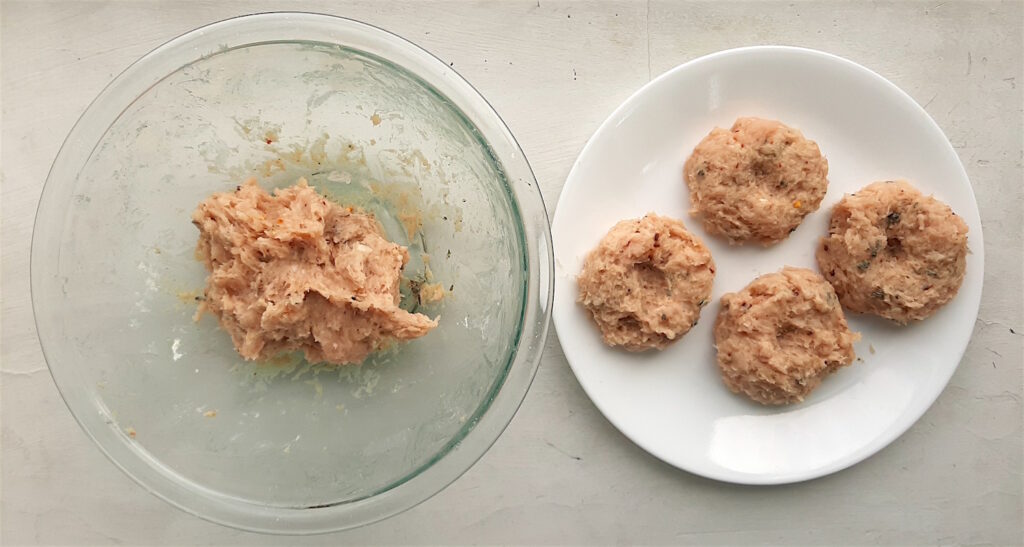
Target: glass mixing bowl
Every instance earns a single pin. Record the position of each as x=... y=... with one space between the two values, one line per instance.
x=371 y=120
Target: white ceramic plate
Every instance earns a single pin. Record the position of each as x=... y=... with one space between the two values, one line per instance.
x=673 y=403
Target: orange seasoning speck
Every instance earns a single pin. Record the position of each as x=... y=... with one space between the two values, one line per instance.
x=797 y=204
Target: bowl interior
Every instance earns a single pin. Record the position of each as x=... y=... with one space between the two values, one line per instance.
x=284 y=434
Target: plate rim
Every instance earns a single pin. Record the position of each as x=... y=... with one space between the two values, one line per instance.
x=902 y=424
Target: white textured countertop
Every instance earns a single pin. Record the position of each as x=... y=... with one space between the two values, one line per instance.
x=561 y=473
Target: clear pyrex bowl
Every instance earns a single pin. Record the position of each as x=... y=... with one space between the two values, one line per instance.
x=371 y=120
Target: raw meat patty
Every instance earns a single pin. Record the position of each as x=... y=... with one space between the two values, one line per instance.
x=646 y=282
x=781 y=335
x=295 y=271
x=756 y=181
x=894 y=252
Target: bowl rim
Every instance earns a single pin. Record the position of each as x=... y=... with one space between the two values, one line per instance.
x=495 y=412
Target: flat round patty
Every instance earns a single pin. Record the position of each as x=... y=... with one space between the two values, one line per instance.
x=894 y=252
x=756 y=181
x=646 y=282
x=781 y=335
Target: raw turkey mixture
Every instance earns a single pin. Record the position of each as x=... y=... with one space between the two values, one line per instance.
x=781 y=335
x=894 y=252
x=646 y=282
x=756 y=181
x=296 y=271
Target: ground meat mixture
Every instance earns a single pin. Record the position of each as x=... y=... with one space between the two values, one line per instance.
x=756 y=181
x=646 y=282
x=781 y=335
x=296 y=271
x=894 y=252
